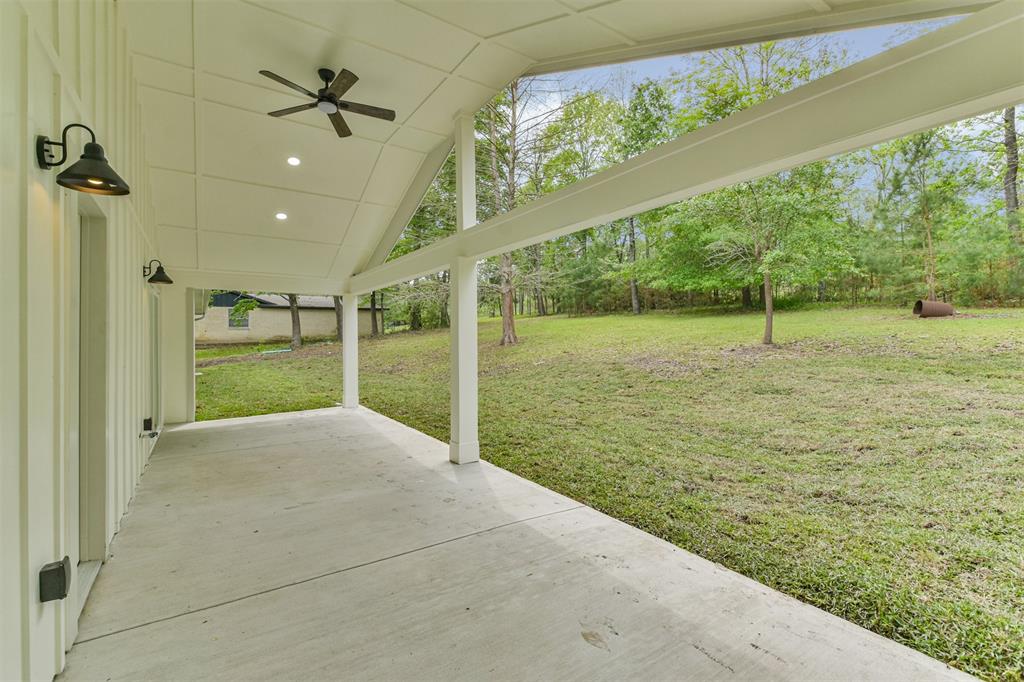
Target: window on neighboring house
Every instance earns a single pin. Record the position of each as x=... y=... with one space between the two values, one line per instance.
x=238 y=321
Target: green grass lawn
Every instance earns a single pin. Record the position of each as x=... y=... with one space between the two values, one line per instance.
x=871 y=463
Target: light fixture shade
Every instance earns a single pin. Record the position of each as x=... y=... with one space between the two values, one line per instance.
x=160 y=276
x=93 y=175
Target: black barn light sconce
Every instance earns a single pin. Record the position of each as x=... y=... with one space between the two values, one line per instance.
x=159 y=276
x=91 y=173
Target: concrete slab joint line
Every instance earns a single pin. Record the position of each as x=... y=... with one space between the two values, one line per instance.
x=328 y=573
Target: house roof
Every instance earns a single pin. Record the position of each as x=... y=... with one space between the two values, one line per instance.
x=278 y=301
x=218 y=164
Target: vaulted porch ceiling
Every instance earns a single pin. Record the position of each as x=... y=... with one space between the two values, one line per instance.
x=218 y=163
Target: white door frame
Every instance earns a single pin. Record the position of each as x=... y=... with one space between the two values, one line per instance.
x=91 y=514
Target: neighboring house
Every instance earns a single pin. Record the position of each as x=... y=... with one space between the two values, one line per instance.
x=271 y=320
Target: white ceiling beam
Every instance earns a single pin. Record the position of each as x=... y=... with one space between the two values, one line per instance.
x=410 y=202
x=251 y=281
x=819 y=5
x=958 y=71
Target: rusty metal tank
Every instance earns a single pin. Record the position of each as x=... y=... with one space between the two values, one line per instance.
x=933 y=309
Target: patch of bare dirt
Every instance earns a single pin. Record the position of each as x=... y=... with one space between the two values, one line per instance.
x=750 y=354
x=666 y=368
x=318 y=350
x=889 y=346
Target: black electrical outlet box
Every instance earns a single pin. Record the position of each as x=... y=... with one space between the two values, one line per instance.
x=147 y=424
x=54 y=580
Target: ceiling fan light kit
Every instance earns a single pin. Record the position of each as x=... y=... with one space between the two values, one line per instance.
x=328 y=100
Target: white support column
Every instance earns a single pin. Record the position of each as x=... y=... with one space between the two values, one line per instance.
x=350 y=349
x=465 y=172
x=189 y=340
x=178 y=377
x=465 y=443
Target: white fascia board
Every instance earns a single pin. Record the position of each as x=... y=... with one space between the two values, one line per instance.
x=843 y=18
x=958 y=71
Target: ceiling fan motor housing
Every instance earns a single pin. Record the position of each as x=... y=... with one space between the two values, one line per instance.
x=326 y=106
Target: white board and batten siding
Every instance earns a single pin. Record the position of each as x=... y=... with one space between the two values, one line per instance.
x=61 y=63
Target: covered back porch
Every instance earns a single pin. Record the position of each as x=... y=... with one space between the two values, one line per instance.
x=338 y=542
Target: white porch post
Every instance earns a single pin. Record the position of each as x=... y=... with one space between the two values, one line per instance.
x=465 y=443
x=350 y=349
x=178 y=368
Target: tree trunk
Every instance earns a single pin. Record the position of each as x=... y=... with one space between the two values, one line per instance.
x=634 y=290
x=929 y=265
x=1012 y=164
x=293 y=306
x=380 y=301
x=821 y=291
x=338 y=316
x=374 y=329
x=769 y=309
x=537 y=260
x=415 y=318
x=508 y=324
x=508 y=319
x=444 y=317
x=748 y=302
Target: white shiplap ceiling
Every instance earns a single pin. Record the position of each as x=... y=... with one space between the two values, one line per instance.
x=218 y=162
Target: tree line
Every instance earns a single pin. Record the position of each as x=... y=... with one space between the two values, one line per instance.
x=932 y=215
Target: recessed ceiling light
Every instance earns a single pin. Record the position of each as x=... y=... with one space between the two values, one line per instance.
x=281 y=216
x=294 y=161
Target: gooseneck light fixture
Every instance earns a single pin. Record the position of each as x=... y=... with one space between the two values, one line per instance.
x=91 y=173
x=159 y=276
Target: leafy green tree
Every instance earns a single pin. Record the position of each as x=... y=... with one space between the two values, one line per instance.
x=581 y=141
x=782 y=227
x=723 y=82
x=646 y=122
x=761 y=231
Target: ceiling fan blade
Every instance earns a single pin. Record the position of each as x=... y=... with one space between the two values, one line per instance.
x=367 y=110
x=342 y=82
x=339 y=124
x=292 y=110
x=284 y=81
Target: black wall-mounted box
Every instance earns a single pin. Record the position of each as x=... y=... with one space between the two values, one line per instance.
x=54 y=580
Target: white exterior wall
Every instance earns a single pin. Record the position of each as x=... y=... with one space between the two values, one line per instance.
x=269 y=324
x=60 y=63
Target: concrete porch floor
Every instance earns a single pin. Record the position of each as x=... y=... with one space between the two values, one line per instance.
x=341 y=544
